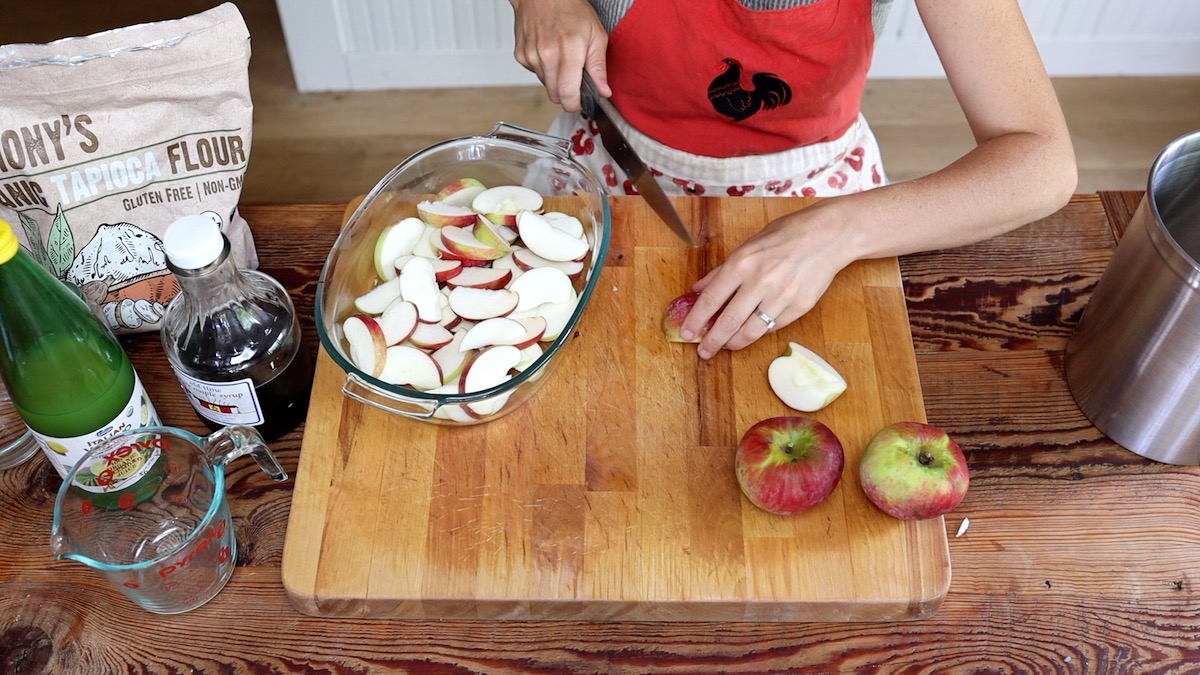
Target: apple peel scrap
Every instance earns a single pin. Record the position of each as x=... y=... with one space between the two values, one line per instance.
x=465 y=291
x=803 y=380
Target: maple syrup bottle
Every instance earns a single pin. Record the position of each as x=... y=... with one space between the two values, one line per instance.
x=232 y=336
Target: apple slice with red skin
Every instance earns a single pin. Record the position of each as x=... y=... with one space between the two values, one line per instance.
x=460 y=192
x=440 y=214
x=443 y=270
x=418 y=285
x=490 y=367
x=556 y=314
x=398 y=321
x=477 y=304
x=502 y=203
x=527 y=260
x=451 y=358
x=378 y=298
x=788 y=465
x=430 y=336
x=409 y=366
x=913 y=471
x=397 y=239
x=673 y=316
x=519 y=333
x=542 y=285
x=481 y=277
x=443 y=253
x=461 y=242
x=803 y=380
x=488 y=233
x=368 y=348
x=528 y=355
x=551 y=243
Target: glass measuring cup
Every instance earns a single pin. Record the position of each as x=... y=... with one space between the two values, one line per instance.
x=147 y=510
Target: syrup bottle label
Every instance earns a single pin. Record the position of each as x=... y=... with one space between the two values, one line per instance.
x=224 y=403
x=65 y=452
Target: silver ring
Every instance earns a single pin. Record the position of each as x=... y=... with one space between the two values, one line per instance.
x=766 y=319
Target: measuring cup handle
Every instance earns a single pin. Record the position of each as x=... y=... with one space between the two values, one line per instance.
x=233 y=441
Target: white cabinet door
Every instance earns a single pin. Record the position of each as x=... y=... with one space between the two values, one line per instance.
x=402 y=44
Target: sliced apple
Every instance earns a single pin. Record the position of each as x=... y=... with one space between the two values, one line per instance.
x=556 y=314
x=528 y=355
x=488 y=233
x=803 y=380
x=460 y=192
x=507 y=262
x=443 y=253
x=490 y=367
x=378 y=298
x=565 y=222
x=418 y=285
x=551 y=243
x=368 y=348
x=502 y=203
x=462 y=243
x=542 y=285
x=477 y=304
x=398 y=321
x=424 y=246
x=430 y=336
x=481 y=277
x=527 y=260
x=398 y=239
x=441 y=214
x=451 y=358
x=495 y=331
x=410 y=366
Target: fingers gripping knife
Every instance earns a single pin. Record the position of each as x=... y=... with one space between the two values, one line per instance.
x=627 y=159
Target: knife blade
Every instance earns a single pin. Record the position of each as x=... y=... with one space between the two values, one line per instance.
x=625 y=157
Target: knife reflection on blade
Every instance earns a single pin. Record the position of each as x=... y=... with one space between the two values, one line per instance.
x=625 y=157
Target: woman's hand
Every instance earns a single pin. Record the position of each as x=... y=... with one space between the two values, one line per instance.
x=781 y=272
x=557 y=40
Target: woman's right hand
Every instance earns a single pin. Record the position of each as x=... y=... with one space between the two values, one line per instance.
x=557 y=40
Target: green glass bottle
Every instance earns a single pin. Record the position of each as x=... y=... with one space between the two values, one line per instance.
x=66 y=373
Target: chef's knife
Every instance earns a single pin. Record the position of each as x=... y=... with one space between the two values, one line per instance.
x=614 y=141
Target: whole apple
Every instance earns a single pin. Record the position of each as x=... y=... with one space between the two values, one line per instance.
x=787 y=465
x=913 y=470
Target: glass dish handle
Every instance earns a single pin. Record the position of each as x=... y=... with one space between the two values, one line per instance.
x=512 y=132
x=361 y=391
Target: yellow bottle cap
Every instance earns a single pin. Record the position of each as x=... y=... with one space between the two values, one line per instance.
x=8 y=242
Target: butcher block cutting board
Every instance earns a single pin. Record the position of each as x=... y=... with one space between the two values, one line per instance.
x=610 y=495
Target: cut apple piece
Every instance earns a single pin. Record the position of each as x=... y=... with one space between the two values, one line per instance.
x=488 y=234
x=519 y=333
x=527 y=260
x=377 y=299
x=443 y=253
x=477 y=304
x=440 y=214
x=460 y=192
x=673 y=316
x=430 y=336
x=551 y=243
x=368 y=348
x=418 y=285
x=424 y=246
x=803 y=380
x=410 y=366
x=443 y=269
x=484 y=409
x=398 y=321
x=542 y=285
x=565 y=222
x=506 y=262
x=463 y=244
x=481 y=277
x=398 y=239
x=528 y=355
x=451 y=358
x=502 y=203
x=489 y=368
x=556 y=314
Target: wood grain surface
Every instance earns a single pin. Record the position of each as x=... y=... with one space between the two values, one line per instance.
x=611 y=494
x=1080 y=557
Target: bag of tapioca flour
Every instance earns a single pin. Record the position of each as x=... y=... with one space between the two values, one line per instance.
x=107 y=139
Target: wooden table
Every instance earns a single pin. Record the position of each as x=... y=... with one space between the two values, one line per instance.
x=1079 y=556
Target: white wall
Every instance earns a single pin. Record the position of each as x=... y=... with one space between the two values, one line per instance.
x=338 y=45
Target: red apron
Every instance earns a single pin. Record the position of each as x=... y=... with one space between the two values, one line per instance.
x=713 y=78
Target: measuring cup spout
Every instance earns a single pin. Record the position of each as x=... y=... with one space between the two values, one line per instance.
x=236 y=440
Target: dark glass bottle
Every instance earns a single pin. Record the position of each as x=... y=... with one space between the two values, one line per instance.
x=68 y=376
x=232 y=336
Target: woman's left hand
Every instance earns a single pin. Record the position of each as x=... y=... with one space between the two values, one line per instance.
x=772 y=279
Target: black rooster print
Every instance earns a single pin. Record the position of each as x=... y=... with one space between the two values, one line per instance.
x=729 y=98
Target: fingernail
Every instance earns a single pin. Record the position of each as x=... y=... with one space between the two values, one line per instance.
x=687 y=334
x=704 y=354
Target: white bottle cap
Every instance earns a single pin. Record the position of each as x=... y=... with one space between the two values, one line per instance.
x=194 y=241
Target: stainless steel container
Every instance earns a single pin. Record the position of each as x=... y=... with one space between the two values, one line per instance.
x=1133 y=363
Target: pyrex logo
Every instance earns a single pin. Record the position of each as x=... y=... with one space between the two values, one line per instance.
x=212 y=534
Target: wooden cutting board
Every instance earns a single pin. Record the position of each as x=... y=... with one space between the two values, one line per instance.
x=610 y=495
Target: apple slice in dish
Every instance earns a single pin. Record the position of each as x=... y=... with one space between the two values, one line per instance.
x=410 y=366
x=460 y=192
x=440 y=214
x=378 y=298
x=528 y=355
x=551 y=243
x=490 y=367
x=443 y=270
x=368 y=349
x=481 y=277
x=565 y=222
x=542 y=285
x=398 y=239
x=463 y=243
x=418 y=285
x=398 y=321
x=451 y=358
x=430 y=336
x=803 y=380
x=519 y=333
x=527 y=260
x=488 y=233
x=502 y=203
x=477 y=304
